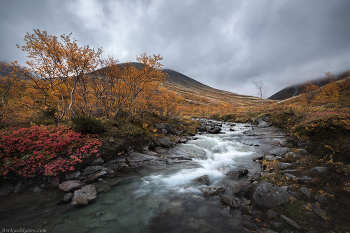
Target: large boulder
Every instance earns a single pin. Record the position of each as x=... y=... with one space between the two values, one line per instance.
x=165 y=142
x=230 y=201
x=91 y=169
x=203 y=179
x=241 y=189
x=84 y=195
x=213 y=190
x=279 y=151
x=235 y=174
x=216 y=130
x=267 y=195
x=70 y=185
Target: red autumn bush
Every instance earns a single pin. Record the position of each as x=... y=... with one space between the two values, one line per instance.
x=44 y=150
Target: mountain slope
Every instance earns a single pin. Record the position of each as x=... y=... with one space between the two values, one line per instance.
x=295 y=90
x=196 y=92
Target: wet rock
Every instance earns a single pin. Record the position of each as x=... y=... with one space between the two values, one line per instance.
x=258 y=158
x=72 y=175
x=320 y=171
x=193 y=224
x=225 y=211
x=37 y=189
x=230 y=201
x=231 y=129
x=165 y=142
x=216 y=130
x=164 y=131
x=67 y=197
x=241 y=189
x=203 y=179
x=70 y=185
x=272 y=158
x=84 y=195
x=98 y=161
x=280 y=151
x=234 y=223
x=283 y=166
x=183 y=140
x=91 y=169
x=237 y=173
x=306 y=192
x=263 y=124
x=213 y=190
x=290 y=222
x=97 y=175
x=271 y=214
x=287 y=171
x=267 y=195
x=21 y=186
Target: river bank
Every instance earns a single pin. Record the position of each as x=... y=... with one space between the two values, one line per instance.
x=176 y=200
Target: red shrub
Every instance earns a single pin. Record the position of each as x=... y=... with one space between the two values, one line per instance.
x=44 y=150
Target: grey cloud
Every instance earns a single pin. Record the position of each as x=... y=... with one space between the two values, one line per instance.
x=224 y=44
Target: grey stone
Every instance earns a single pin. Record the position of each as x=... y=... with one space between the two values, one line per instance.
x=237 y=173
x=165 y=142
x=91 y=169
x=70 y=185
x=213 y=190
x=97 y=175
x=320 y=171
x=302 y=152
x=216 y=130
x=276 y=224
x=271 y=214
x=98 y=161
x=84 y=195
x=267 y=195
x=306 y=192
x=255 y=176
x=225 y=211
x=290 y=222
x=283 y=166
x=72 y=175
x=257 y=214
x=203 y=179
x=291 y=154
x=241 y=189
x=164 y=131
x=230 y=201
x=37 y=189
x=249 y=225
x=67 y=197
x=304 y=179
x=183 y=140
x=233 y=223
x=280 y=151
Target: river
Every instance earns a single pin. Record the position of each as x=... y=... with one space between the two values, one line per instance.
x=163 y=198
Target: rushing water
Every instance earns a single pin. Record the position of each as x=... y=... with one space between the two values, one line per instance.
x=163 y=199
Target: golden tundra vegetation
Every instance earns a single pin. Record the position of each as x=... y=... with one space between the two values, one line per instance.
x=71 y=90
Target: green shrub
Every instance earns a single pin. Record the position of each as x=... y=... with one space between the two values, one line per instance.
x=87 y=125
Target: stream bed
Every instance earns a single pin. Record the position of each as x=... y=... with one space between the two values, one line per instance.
x=164 y=198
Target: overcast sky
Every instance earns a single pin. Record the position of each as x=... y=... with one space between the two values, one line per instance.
x=223 y=44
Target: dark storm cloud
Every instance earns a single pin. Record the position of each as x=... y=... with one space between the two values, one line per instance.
x=224 y=44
